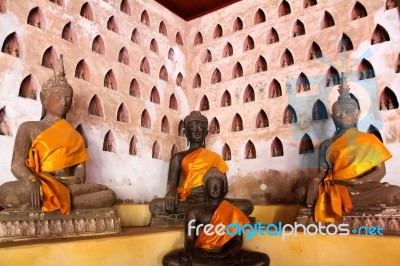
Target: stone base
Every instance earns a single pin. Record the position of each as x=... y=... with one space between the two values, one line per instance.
x=387 y=218
x=29 y=225
x=177 y=220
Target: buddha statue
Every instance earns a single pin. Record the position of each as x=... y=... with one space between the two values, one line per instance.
x=49 y=159
x=186 y=173
x=203 y=249
x=351 y=167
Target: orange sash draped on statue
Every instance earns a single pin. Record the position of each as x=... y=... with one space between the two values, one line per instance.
x=351 y=155
x=194 y=166
x=58 y=147
x=225 y=214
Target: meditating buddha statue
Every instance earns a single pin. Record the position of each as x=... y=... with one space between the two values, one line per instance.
x=49 y=159
x=351 y=167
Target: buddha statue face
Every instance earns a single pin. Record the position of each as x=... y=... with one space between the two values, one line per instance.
x=196 y=132
x=58 y=101
x=345 y=115
x=214 y=187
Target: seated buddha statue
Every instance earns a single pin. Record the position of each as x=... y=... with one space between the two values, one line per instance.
x=187 y=170
x=49 y=159
x=351 y=167
x=214 y=248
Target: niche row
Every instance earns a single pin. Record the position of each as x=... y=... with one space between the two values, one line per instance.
x=358 y=11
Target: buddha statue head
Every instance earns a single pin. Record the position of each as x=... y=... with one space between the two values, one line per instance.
x=195 y=127
x=215 y=184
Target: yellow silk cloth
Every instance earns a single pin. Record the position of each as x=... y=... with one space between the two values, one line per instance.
x=225 y=214
x=194 y=166
x=58 y=147
x=351 y=155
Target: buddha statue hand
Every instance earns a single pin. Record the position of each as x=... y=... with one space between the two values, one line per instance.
x=186 y=258
x=348 y=182
x=70 y=180
x=171 y=200
x=33 y=186
x=312 y=192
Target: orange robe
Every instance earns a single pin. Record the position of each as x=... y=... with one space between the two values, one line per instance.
x=225 y=214
x=351 y=155
x=194 y=166
x=58 y=147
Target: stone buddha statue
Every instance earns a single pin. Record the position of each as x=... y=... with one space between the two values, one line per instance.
x=186 y=172
x=215 y=249
x=351 y=167
x=49 y=159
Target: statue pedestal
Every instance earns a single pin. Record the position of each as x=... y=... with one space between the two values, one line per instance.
x=30 y=225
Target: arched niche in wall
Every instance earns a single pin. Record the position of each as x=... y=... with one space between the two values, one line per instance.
x=180 y=128
x=29 y=88
x=259 y=17
x=82 y=71
x=134 y=146
x=326 y=21
x=214 y=127
x=112 y=25
x=248 y=44
x=309 y=3
x=173 y=102
x=5 y=122
x=373 y=130
x=237 y=24
x=314 y=51
x=207 y=57
x=391 y=4
x=248 y=95
x=109 y=143
x=49 y=58
x=154 y=46
x=261 y=64
x=332 y=77
x=298 y=28
x=228 y=50
x=287 y=58
x=12 y=45
x=358 y=11
x=204 y=104
x=237 y=70
x=262 y=119
x=379 y=35
x=123 y=113
x=283 y=9
x=388 y=100
x=306 y=145
x=87 y=11
x=135 y=37
x=302 y=83
x=216 y=76
x=171 y=54
x=3 y=6
x=179 y=79
x=110 y=81
x=178 y=38
x=155 y=151
x=226 y=152
x=237 y=123
x=198 y=38
x=226 y=99
x=197 y=81
x=126 y=7
x=134 y=89
x=123 y=56
x=98 y=45
x=275 y=89
x=365 y=70
x=69 y=32
x=345 y=44
x=272 y=36
x=145 y=19
x=145 y=120
x=36 y=18
x=217 y=32
x=250 y=150
x=163 y=73
x=276 y=147
x=165 y=125
x=145 y=66
x=397 y=70
x=154 y=95
x=163 y=29
x=95 y=107
x=319 y=111
x=81 y=131
x=289 y=115
x=174 y=150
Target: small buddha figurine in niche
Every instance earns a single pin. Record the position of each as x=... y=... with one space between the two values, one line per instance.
x=237 y=127
x=226 y=102
x=351 y=166
x=132 y=150
x=383 y=105
x=34 y=19
x=227 y=156
x=11 y=47
x=390 y=105
x=49 y=159
x=250 y=154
